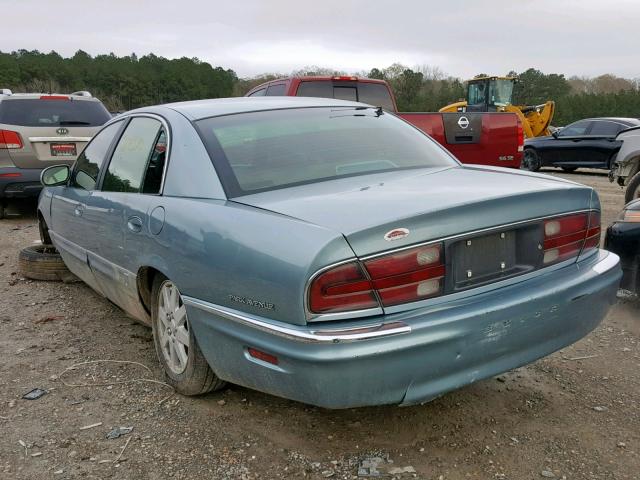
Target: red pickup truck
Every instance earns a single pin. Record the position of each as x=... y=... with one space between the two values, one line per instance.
x=481 y=138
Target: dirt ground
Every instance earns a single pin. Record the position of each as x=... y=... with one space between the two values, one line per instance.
x=572 y=415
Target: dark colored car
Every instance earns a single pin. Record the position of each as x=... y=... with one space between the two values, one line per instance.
x=623 y=238
x=589 y=143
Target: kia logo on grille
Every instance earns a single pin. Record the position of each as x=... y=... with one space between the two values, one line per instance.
x=463 y=122
x=62 y=131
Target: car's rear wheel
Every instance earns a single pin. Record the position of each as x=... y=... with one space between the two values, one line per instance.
x=531 y=160
x=569 y=169
x=633 y=188
x=183 y=363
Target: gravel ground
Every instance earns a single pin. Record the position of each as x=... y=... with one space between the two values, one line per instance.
x=572 y=415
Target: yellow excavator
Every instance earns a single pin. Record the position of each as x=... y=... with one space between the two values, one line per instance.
x=493 y=94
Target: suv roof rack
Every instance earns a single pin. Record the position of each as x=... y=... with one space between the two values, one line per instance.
x=82 y=93
x=5 y=91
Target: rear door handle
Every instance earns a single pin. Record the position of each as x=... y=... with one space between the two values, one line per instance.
x=78 y=210
x=134 y=224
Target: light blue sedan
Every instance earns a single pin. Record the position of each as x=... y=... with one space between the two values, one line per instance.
x=325 y=251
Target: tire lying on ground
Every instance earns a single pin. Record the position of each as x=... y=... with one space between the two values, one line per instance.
x=43 y=262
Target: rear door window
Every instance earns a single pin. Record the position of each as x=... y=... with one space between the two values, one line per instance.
x=34 y=112
x=87 y=167
x=258 y=93
x=132 y=156
x=276 y=90
x=606 y=128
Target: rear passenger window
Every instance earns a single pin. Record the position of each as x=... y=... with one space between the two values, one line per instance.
x=575 y=129
x=87 y=166
x=606 y=128
x=155 y=169
x=276 y=90
x=132 y=156
x=258 y=93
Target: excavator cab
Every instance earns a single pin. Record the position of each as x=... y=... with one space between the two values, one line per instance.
x=494 y=94
x=489 y=94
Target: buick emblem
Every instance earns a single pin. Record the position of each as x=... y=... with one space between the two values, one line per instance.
x=64 y=131
x=463 y=122
x=396 y=234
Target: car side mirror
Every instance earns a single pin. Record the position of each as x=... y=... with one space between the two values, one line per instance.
x=555 y=133
x=55 y=175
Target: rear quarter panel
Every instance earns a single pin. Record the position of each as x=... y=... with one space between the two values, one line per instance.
x=217 y=250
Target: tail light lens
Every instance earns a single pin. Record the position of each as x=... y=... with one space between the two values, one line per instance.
x=409 y=275
x=592 y=242
x=10 y=140
x=565 y=237
x=520 y=136
x=342 y=288
x=54 y=97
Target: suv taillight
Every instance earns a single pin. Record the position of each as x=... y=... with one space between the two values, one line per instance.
x=565 y=237
x=10 y=140
x=406 y=276
x=520 y=136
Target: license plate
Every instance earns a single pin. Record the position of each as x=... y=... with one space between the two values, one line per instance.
x=480 y=259
x=63 y=149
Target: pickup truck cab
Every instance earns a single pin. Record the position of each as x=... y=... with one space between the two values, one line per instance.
x=484 y=138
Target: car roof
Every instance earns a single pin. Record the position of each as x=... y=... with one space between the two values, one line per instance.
x=199 y=109
x=631 y=120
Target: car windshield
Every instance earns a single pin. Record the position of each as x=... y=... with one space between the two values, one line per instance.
x=262 y=151
x=35 y=112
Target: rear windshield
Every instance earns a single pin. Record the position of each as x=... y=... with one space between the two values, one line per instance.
x=260 y=151
x=33 y=112
x=376 y=94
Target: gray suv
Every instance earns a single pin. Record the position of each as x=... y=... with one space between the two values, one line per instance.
x=38 y=130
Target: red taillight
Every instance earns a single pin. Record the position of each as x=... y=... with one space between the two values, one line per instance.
x=10 y=175
x=54 y=97
x=409 y=275
x=406 y=276
x=520 y=136
x=565 y=237
x=593 y=234
x=341 y=288
x=10 y=140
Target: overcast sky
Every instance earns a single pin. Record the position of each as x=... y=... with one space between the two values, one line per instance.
x=462 y=37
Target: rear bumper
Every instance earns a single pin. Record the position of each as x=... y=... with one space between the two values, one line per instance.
x=19 y=182
x=416 y=355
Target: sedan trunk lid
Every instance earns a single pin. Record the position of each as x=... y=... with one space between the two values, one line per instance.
x=430 y=204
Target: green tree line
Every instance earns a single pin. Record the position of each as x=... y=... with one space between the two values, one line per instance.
x=127 y=82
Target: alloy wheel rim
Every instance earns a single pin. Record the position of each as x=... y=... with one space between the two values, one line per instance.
x=173 y=328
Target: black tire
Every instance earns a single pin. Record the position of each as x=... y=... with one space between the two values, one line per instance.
x=569 y=169
x=44 y=231
x=197 y=378
x=531 y=160
x=43 y=262
x=2 y=209
x=633 y=189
